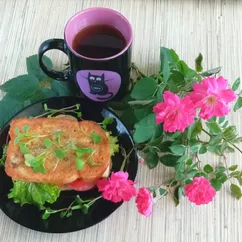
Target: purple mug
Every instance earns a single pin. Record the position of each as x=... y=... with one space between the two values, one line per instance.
x=99 y=79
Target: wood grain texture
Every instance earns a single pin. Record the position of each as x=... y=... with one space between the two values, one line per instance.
x=212 y=27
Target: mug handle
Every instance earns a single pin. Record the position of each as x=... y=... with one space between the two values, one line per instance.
x=51 y=44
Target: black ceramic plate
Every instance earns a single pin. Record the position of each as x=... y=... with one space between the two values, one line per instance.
x=29 y=215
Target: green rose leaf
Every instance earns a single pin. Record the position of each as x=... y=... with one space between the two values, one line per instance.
x=203 y=149
x=185 y=70
x=215 y=140
x=62 y=88
x=163 y=192
x=169 y=160
x=233 y=168
x=152 y=159
x=238 y=104
x=42 y=94
x=33 y=193
x=194 y=129
x=144 y=129
x=21 y=86
x=180 y=164
x=214 y=127
x=164 y=146
x=34 y=69
x=208 y=169
x=164 y=63
x=216 y=184
x=142 y=111
x=230 y=133
x=9 y=106
x=178 y=149
x=198 y=63
x=211 y=72
x=236 y=84
x=235 y=191
x=144 y=88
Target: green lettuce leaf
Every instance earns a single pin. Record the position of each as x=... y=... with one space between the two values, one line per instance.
x=33 y=193
x=4 y=155
x=113 y=141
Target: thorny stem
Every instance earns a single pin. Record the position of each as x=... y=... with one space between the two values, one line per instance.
x=227 y=169
x=236 y=147
x=125 y=158
x=205 y=131
x=136 y=69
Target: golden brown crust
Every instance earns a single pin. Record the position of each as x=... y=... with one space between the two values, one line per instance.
x=63 y=171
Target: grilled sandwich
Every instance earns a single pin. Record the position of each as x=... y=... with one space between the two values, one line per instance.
x=59 y=151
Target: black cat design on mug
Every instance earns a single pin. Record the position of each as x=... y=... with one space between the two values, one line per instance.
x=98 y=86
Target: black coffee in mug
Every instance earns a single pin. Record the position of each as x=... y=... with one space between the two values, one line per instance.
x=99 y=41
x=98 y=44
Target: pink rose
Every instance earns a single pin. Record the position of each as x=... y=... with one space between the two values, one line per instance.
x=176 y=113
x=200 y=191
x=117 y=187
x=144 y=201
x=212 y=96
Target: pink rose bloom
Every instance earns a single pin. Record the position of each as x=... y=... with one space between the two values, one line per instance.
x=144 y=201
x=174 y=112
x=200 y=191
x=212 y=96
x=117 y=187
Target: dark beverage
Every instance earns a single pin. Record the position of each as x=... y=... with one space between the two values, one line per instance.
x=99 y=41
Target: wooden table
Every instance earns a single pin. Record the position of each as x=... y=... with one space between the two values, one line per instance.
x=212 y=27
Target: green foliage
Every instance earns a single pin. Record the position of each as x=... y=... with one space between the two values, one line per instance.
x=144 y=129
x=95 y=137
x=34 y=69
x=144 y=88
x=152 y=158
x=198 y=63
x=113 y=142
x=238 y=104
x=33 y=193
x=235 y=191
x=236 y=84
x=4 y=155
x=23 y=90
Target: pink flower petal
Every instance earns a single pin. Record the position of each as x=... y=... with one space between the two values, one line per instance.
x=117 y=188
x=212 y=97
x=200 y=191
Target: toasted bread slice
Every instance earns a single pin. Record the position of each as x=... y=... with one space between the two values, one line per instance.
x=58 y=171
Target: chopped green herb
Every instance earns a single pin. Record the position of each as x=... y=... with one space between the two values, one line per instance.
x=28 y=159
x=26 y=129
x=60 y=153
x=23 y=148
x=82 y=151
x=95 y=137
x=80 y=163
x=47 y=143
x=57 y=136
